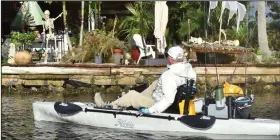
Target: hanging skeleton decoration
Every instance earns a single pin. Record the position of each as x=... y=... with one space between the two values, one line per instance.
x=48 y=25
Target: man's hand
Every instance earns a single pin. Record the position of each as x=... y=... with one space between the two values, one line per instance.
x=143 y=111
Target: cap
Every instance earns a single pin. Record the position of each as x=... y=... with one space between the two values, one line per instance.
x=176 y=52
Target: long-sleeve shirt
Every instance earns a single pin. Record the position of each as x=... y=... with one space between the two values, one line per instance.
x=166 y=89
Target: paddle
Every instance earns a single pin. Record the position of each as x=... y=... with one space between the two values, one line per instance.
x=196 y=121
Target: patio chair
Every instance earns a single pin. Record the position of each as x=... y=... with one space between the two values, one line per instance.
x=137 y=41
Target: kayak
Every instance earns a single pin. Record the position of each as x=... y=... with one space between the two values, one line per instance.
x=88 y=114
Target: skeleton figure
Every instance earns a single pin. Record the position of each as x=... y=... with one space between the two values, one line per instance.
x=48 y=25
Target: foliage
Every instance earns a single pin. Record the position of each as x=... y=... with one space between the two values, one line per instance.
x=194 y=12
x=273 y=30
x=241 y=34
x=4 y=60
x=20 y=39
x=74 y=39
x=275 y=9
x=259 y=51
x=274 y=59
x=273 y=39
x=141 y=11
x=181 y=11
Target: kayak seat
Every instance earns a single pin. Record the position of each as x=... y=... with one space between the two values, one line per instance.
x=184 y=92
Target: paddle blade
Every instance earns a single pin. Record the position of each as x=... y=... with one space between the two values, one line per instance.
x=67 y=109
x=198 y=121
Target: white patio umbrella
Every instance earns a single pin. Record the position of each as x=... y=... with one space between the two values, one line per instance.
x=161 y=19
x=32 y=8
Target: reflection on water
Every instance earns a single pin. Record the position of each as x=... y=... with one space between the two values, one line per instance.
x=17 y=121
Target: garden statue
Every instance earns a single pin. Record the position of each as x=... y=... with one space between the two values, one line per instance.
x=48 y=25
x=12 y=53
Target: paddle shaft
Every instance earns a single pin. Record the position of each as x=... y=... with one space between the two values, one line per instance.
x=131 y=114
x=196 y=121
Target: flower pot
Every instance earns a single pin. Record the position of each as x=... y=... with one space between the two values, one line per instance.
x=135 y=53
x=98 y=59
x=117 y=51
x=117 y=58
x=23 y=58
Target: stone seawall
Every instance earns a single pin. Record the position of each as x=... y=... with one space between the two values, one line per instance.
x=112 y=75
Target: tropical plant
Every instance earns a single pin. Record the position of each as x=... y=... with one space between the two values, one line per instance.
x=140 y=22
x=241 y=34
x=182 y=11
x=96 y=43
x=192 y=11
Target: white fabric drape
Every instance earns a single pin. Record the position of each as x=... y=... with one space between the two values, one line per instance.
x=241 y=13
x=212 y=5
x=234 y=8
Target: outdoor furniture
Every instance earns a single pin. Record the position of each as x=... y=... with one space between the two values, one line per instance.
x=145 y=50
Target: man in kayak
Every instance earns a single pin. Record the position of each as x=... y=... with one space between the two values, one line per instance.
x=161 y=93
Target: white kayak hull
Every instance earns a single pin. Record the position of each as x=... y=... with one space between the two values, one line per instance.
x=44 y=111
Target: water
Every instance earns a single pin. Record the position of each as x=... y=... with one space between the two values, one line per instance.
x=17 y=120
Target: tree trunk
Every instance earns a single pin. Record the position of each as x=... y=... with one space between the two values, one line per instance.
x=65 y=24
x=262 y=34
x=82 y=23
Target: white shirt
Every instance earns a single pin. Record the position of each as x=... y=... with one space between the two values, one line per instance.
x=169 y=81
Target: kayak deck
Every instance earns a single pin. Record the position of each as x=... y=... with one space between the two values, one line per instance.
x=44 y=111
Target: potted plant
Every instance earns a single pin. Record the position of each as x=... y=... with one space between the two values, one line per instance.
x=20 y=40
x=100 y=45
x=94 y=45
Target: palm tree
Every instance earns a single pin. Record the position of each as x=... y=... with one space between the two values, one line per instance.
x=82 y=23
x=262 y=33
x=141 y=11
